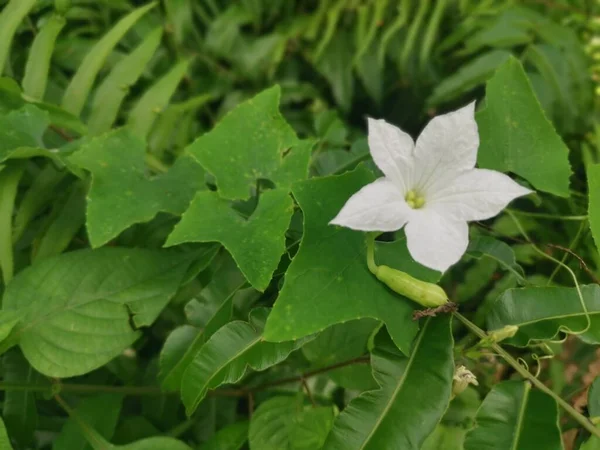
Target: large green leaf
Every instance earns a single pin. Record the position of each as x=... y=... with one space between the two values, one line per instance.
x=122 y=194
x=284 y=423
x=76 y=308
x=413 y=395
x=228 y=354
x=516 y=136
x=251 y=143
x=256 y=243
x=593 y=174
x=99 y=411
x=328 y=281
x=515 y=417
x=541 y=312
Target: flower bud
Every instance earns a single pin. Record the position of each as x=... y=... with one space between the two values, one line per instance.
x=503 y=333
x=461 y=379
x=427 y=294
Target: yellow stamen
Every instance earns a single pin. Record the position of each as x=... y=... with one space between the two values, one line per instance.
x=414 y=200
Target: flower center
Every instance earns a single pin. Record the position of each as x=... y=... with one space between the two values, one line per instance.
x=414 y=200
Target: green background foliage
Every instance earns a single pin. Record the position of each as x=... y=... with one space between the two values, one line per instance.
x=169 y=279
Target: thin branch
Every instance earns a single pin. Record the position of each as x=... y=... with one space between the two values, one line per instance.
x=308 y=392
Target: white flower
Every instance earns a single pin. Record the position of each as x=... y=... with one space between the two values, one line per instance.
x=461 y=379
x=432 y=187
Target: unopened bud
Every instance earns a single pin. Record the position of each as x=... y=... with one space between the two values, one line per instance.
x=462 y=378
x=503 y=333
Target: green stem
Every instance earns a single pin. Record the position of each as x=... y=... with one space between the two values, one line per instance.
x=583 y=421
x=9 y=181
x=94 y=438
x=545 y=216
x=566 y=255
x=370 y=238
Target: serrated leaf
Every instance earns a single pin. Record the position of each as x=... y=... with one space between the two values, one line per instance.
x=516 y=136
x=122 y=194
x=514 y=416
x=76 y=307
x=593 y=175
x=253 y=142
x=231 y=437
x=283 y=423
x=328 y=281
x=100 y=412
x=256 y=243
x=78 y=89
x=115 y=87
x=541 y=312
x=413 y=395
x=228 y=354
x=4 y=441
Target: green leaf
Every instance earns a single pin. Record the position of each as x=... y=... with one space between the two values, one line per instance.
x=115 y=87
x=541 y=312
x=11 y=17
x=334 y=63
x=328 y=281
x=256 y=243
x=413 y=395
x=231 y=437
x=516 y=136
x=468 y=77
x=155 y=99
x=153 y=443
x=78 y=89
x=228 y=354
x=23 y=127
x=253 y=143
x=19 y=409
x=445 y=437
x=594 y=399
x=77 y=307
x=498 y=251
x=100 y=412
x=514 y=416
x=593 y=443
x=283 y=423
x=38 y=62
x=122 y=194
x=593 y=175
x=4 y=441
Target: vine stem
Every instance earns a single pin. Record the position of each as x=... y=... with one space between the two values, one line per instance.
x=545 y=216
x=583 y=421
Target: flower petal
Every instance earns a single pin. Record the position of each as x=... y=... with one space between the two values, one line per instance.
x=436 y=241
x=447 y=144
x=378 y=206
x=476 y=194
x=392 y=151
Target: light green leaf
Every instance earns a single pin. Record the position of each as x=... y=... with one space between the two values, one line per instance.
x=23 y=127
x=77 y=307
x=516 y=136
x=78 y=89
x=228 y=354
x=514 y=416
x=11 y=17
x=100 y=412
x=413 y=395
x=38 y=62
x=115 y=87
x=445 y=437
x=252 y=143
x=593 y=405
x=593 y=174
x=121 y=193
x=497 y=251
x=153 y=443
x=468 y=77
x=231 y=437
x=283 y=423
x=541 y=312
x=4 y=441
x=593 y=443
x=328 y=281
x=256 y=243
x=155 y=99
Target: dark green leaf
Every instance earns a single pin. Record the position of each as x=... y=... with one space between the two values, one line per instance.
x=4 y=441
x=231 y=437
x=593 y=174
x=514 y=416
x=413 y=395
